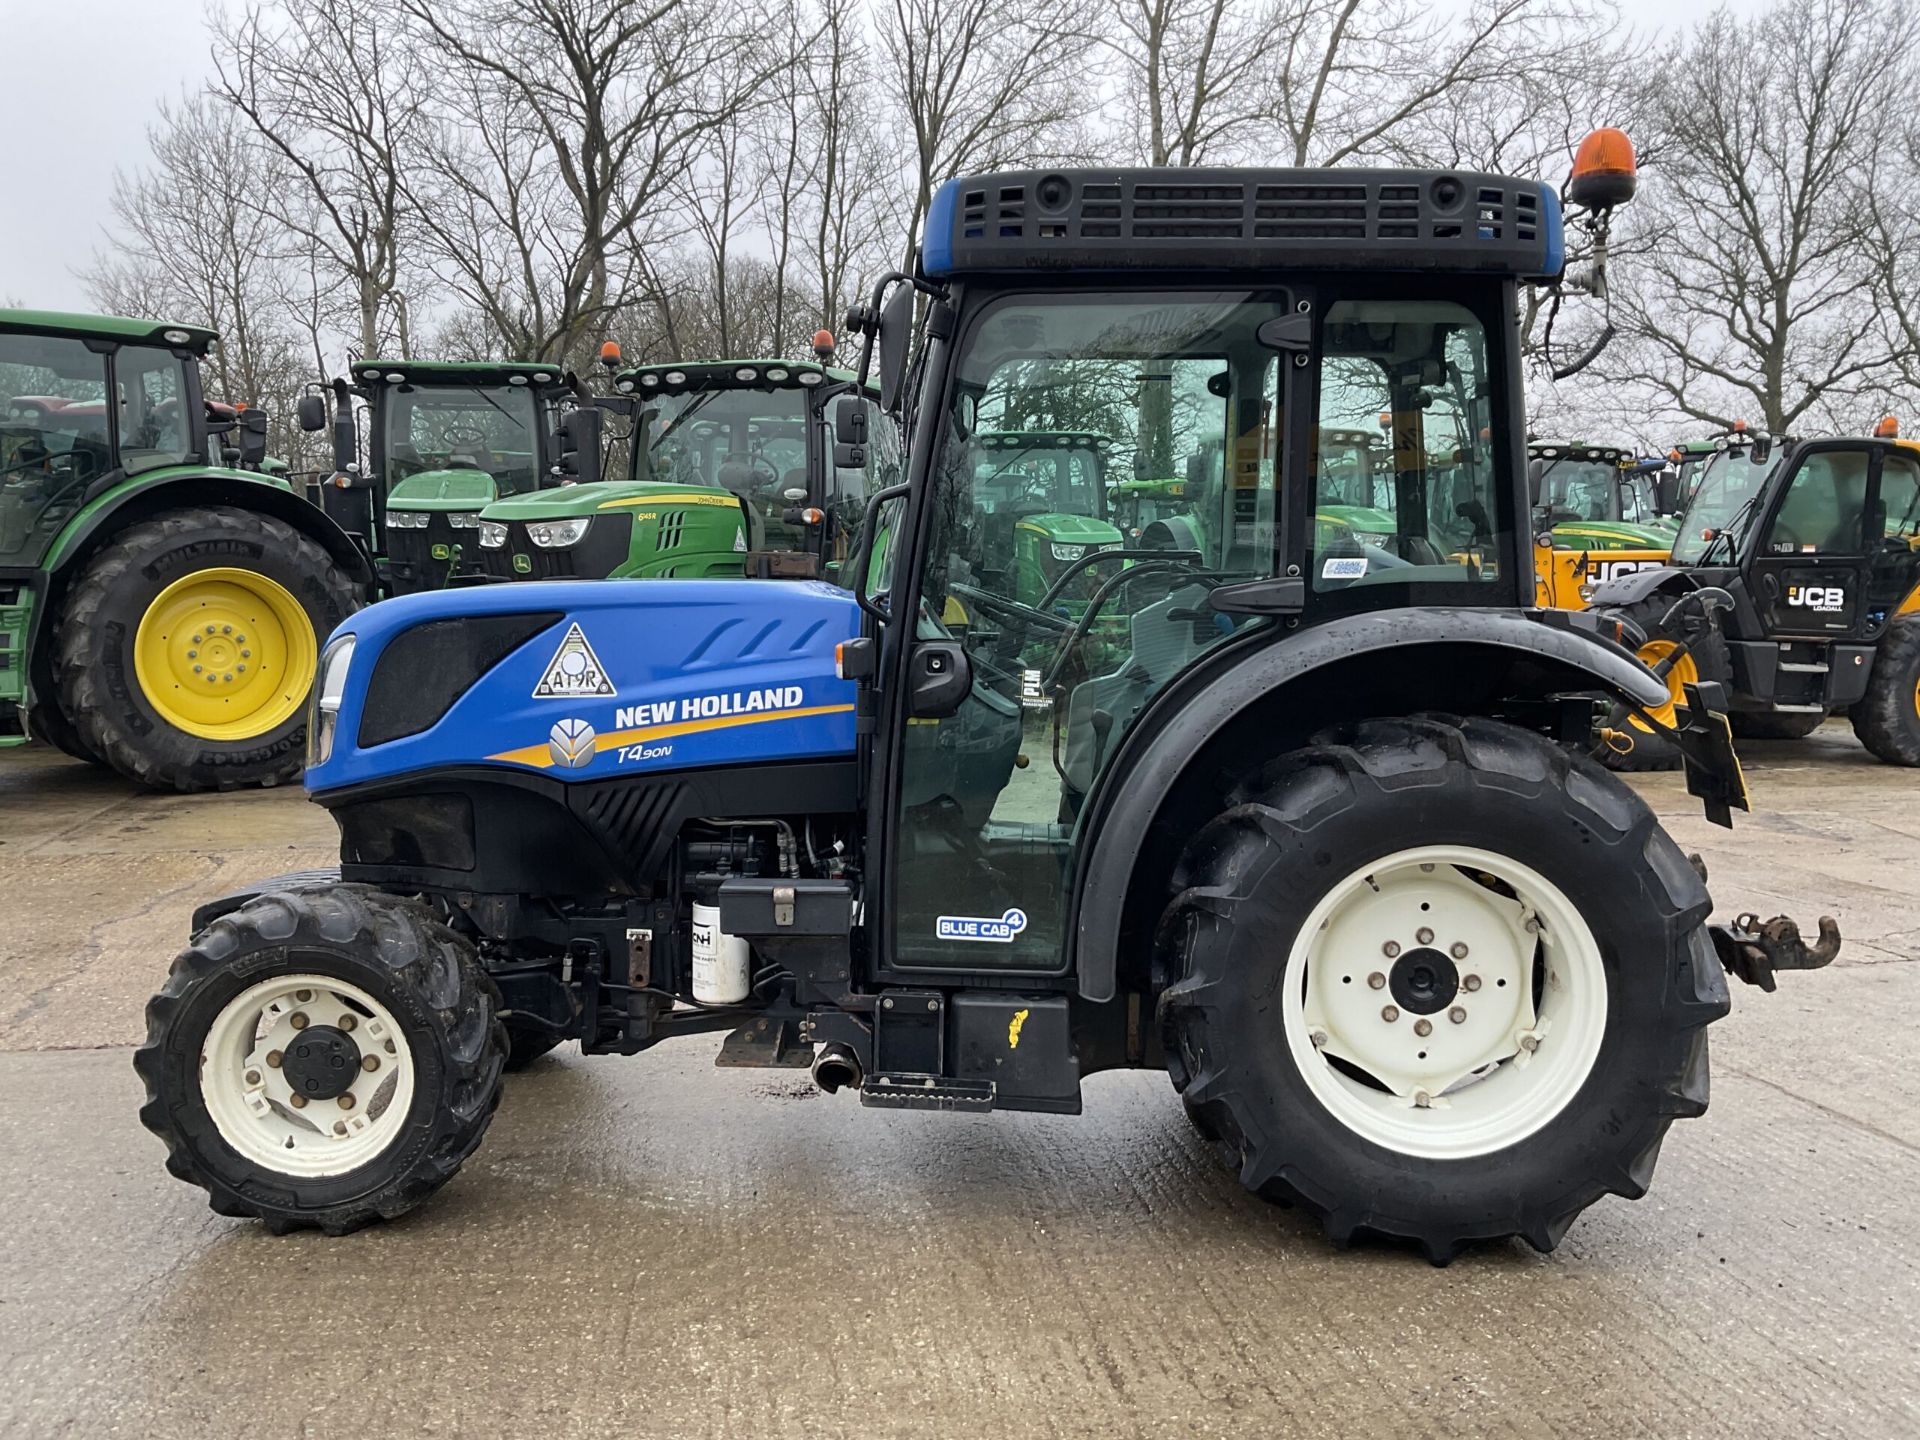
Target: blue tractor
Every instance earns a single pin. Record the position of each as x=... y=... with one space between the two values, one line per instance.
x=1315 y=831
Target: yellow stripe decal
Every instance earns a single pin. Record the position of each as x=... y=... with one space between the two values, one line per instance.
x=723 y=501
x=541 y=757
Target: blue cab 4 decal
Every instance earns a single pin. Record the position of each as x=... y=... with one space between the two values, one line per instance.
x=971 y=927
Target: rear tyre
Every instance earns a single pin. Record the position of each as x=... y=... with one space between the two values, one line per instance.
x=322 y=1058
x=1774 y=725
x=1887 y=718
x=189 y=644
x=1649 y=750
x=1555 y=1057
x=45 y=722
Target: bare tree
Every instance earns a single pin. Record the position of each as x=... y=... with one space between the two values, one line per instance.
x=1197 y=76
x=335 y=89
x=1762 y=300
x=981 y=84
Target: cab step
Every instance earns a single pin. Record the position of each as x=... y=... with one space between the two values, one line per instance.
x=901 y=1090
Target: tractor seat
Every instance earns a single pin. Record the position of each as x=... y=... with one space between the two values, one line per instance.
x=469 y=457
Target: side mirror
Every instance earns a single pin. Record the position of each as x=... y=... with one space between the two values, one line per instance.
x=311 y=412
x=1761 y=450
x=1666 y=493
x=895 y=343
x=253 y=439
x=580 y=438
x=850 y=435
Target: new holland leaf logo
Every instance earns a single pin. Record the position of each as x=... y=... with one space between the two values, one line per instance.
x=574 y=670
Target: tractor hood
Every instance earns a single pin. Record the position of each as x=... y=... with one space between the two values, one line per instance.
x=1611 y=535
x=567 y=501
x=1361 y=519
x=583 y=681
x=455 y=490
x=1065 y=529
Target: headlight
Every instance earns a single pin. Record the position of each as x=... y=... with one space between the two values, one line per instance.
x=557 y=534
x=327 y=696
x=1586 y=592
x=408 y=519
x=1068 y=552
x=493 y=535
x=464 y=519
x=1369 y=537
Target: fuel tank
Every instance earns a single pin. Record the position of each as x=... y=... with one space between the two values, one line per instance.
x=586 y=681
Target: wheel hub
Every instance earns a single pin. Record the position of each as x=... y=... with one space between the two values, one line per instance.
x=1424 y=981
x=322 y=1063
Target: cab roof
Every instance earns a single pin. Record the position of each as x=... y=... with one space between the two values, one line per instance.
x=1092 y=440
x=669 y=379
x=1578 y=450
x=196 y=338
x=457 y=372
x=1213 y=219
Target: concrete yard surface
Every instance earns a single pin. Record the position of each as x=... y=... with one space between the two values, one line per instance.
x=654 y=1247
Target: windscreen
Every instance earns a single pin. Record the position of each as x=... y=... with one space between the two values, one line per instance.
x=1720 y=509
x=464 y=427
x=1588 y=489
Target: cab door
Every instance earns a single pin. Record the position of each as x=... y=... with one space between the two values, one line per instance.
x=1809 y=565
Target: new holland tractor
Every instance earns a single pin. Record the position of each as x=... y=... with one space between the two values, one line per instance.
x=1340 y=864
x=1794 y=586
x=444 y=440
x=730 y=470
x=163 y=597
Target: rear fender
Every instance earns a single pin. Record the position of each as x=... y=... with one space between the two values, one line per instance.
x=1633 y=588
x=1266 y=700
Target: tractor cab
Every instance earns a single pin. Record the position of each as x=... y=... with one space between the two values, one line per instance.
x=730 y=470
x=63 y=441
x=1356 y=492
x=443 y=441
x=1594 y=497
x=1043 y=507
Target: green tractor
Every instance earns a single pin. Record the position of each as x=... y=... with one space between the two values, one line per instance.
x=444 y=441
x=730 y=470
x=162 y=594
x=1044 y=509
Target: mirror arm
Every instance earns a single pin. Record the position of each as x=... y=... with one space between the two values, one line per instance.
x=856 y=563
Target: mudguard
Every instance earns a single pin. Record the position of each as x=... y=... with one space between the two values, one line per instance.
x=600 y=680
x=1133 y=789
x=1633 y=588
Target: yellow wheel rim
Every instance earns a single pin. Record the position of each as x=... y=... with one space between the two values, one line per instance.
x=1683 y=673
x=225 y=654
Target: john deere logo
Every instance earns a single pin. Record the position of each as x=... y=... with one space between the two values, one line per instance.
x=443 y=552
x=523 y=564
x=570 y=742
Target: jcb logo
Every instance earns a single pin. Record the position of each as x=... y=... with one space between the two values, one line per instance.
x=1601 y=571
x=1824 y=598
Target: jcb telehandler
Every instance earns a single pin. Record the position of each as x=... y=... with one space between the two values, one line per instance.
x=1339 y=864
x=1794 y=586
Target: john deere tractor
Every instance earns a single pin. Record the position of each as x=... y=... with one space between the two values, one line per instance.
x=444 y=440
x=1341 y=864
x=1794 y=586
x=730 y=470
x=162 y=596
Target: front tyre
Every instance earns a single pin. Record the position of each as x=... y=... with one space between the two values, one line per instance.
x=1439 y=981
x=1887 y=718
x=322 y=1058
x=188 y=648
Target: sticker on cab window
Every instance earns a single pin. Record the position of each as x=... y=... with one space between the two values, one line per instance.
x=972 y=927
x=1343 y=567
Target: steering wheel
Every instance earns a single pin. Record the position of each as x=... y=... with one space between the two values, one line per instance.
x=455 y=436
x=758 y=465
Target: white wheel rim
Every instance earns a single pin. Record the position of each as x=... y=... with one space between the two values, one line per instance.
x=1498 y=1061
x=248 y=1071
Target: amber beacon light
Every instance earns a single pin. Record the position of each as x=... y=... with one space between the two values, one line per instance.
x=1604 y=171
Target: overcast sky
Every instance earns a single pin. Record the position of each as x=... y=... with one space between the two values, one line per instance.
x=83 y=77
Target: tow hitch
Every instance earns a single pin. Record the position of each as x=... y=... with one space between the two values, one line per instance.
x=1754 y=951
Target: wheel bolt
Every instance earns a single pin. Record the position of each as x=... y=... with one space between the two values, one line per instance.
x=1457 y=1015
x=226 y=629
x=339 y=1127
x=253 y=1077
x=1377 y=980
x=273 y=1058
x=1423 y=935
x=241 y=668
x=346 y=1101
x=1319 y=1038
x=389 y=1048
x=240 y=640
x=369 y=1063
x=347 y=1022
x=1390 y=949
x=1390 y=1013
x=298 y=1019
x=303 y=996
x=246 y=654
x=1472 y=982
x=1459 y=951
x=1422 y=1100
x=196 y=669
x=1423 y=1027
x=1529 y=1043
x=297 y=1100
x=193 y=654
x=228 y=676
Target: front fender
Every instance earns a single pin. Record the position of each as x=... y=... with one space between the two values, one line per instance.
x=1155 y=758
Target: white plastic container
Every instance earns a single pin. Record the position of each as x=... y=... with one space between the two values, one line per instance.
x=722 y=963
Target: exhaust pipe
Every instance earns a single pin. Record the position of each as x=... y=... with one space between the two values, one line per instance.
x=836 y=1065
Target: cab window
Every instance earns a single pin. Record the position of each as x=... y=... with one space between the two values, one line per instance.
x=1900 y=497
x=53 y=438
x=1823 y=508
x=153 y=421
